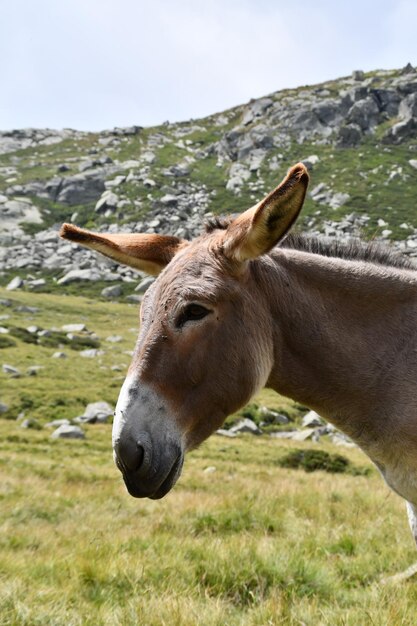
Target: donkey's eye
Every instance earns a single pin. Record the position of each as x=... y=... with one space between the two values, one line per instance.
x=191 y=313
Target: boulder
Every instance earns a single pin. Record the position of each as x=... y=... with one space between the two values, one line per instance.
x=108 y=200
x=74 y=328
x=225 y=433
x=79 y=189
x=303 y=435
x=144 y=284
x=245 y=426
x=272 y=417
x=364 y=113
x=91 y=353
x=114 y=291
x=77 y=275
x=311 y=161
x=238 y=175
x=66 y=431
x=349 y=136
x=96 y=412
x=15 y=283
x=56 y=423
x=358 y=75
x=11 y=371
x=311 y=419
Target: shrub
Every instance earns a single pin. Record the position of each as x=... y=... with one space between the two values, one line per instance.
x=312 y=460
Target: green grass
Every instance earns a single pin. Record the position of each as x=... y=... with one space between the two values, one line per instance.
x=248 y=543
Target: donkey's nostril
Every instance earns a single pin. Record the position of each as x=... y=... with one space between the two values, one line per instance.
x=131 y=454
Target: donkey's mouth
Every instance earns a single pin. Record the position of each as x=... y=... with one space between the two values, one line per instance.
x=138 y=488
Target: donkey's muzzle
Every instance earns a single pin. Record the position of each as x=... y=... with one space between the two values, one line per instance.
x=149 y=470
x=133 y=454
x=146 y=442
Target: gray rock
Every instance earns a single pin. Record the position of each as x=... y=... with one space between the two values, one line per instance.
x=144 y=284
x=78 y=189
x=59 y=355
x=408 y=69
x=11 y=371
x=15 y=283
x=388 y=100
x=108 y=200
x=114 y=291
x=283 y=434
x=169 y=200
x=74 y=328
x=311 y=419
x=340 y=439
x=339 y=199
x=97 y=412
x=181 y=169
x=349 y=136
x=238 y=175
x=311 y=161
x=134 y=299
x=256 y=109
x=56 y=423
x=401 y=132
x=329 y=112
x=114 y=338
x=303 y=435
x=272 y=417
x=33 y=370
x=91 y=353
x=3 y=408
x=38 y=282
x=408 y=106
x=358 y=75
x=246 y=426
x=364 y=113
x=23 y=308
x=77 y=275
x=225 y=433
x=68 y=432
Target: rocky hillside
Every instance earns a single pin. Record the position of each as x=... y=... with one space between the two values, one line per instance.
x=357 y=135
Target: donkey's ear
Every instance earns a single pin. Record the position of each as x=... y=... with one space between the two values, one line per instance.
x=148 y=253
x=260 y=228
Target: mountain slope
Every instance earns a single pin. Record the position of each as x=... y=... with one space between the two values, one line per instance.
x=358 y=136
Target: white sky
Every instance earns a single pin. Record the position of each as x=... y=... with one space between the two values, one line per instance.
x=95 y=64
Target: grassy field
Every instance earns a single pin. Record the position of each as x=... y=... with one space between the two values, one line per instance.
x=239 y=541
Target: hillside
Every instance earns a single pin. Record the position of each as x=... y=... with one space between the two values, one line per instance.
x=357 y=135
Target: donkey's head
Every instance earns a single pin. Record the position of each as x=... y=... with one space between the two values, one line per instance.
x=205 y=345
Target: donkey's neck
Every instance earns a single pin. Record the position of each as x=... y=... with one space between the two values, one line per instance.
x=344 y=333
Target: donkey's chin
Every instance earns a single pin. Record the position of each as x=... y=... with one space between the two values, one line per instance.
x=138 y=488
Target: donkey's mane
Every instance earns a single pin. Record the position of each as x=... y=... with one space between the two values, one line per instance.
x=217 y=223
x=351 y=249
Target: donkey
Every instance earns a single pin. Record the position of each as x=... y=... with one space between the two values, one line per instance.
x=248 y=305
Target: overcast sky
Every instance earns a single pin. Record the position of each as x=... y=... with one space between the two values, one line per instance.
x=95 y=64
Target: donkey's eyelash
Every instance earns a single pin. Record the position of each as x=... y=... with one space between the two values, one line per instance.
x=191 y=313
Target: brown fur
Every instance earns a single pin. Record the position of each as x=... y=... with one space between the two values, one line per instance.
x=334 y=328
